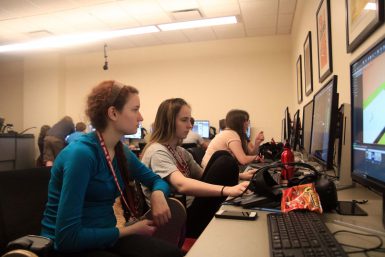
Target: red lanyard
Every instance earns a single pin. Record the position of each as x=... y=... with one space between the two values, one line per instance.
x=109 y=161
x=180 y=162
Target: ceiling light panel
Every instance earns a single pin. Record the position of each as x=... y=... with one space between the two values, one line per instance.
x=198 y=23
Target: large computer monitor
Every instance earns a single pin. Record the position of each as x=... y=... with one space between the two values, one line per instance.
x=295 y=133
x=248 y=132
x=325 y=108
x=307 y=121
x=287 y=125
x=368 y=120
x=137 y=135
x=202 y=127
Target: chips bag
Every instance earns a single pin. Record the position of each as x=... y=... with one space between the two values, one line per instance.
x=301 y=197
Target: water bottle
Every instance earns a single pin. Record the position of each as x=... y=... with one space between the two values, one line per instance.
x=287 y=156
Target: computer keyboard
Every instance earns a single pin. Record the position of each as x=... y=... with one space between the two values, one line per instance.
x=301 y=234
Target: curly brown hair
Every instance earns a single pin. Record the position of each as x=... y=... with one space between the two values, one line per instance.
x=106 y=94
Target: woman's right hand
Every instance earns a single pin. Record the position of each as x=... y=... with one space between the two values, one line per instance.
x=142 y=227
x=236 y=190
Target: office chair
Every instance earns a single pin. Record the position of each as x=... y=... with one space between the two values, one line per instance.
x=197 y=153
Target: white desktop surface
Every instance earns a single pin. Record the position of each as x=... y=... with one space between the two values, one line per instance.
x=235 y=238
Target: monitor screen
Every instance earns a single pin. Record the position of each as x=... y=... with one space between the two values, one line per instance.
x=294 y=139
x=368 y=120
x=248 y=131
x=202 y=127
x=283 y=130
x=287 y=125
x=307 y=121
x=325 y=108
x=137 y=135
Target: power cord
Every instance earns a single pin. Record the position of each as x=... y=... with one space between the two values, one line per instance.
x=362 y=249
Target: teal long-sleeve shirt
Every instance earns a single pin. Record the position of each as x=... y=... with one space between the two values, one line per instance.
x=81 y=192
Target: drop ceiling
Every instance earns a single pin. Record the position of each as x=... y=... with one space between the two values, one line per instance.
x=26 y=20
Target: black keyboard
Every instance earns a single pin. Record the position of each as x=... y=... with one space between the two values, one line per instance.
x=301 y=233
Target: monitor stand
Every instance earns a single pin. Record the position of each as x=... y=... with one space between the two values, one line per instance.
x=343 y=146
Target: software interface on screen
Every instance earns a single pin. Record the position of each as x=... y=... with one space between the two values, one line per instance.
x=322 y=118
x=248 y=131
x=306 y=124
x=368 y=114
x=137 y=135
x=202 y=127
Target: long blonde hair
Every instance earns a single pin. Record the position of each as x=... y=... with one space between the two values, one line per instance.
x=164 y=127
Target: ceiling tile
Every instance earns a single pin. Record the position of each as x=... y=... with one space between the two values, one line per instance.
x=171 y=37
x=199 y=34
x=177 y=5
x=285 y=20
x=112 y=15
x=287 y=6
x=257 y=21
x=216 y=8
x=146 y=12
x=144 y=40
x=229 y=31
x=81 y=20
x=261 y=32
x=265 y=7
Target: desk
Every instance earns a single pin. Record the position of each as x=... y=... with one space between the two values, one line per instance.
x=234 y=238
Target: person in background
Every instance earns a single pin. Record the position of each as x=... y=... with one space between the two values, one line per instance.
x=90 y=173
x=222 y=124
x=194 y=138
x=54 y=141
x=40 y=143
x=234 y=140
x=80 y=129
x=176 y=166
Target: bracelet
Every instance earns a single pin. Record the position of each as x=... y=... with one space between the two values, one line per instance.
x=222 y=191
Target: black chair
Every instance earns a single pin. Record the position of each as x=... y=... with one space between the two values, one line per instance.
x=23 y=195
x=197 y=153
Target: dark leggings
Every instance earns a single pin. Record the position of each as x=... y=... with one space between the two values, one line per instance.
x=223 y=170
x=132 y=246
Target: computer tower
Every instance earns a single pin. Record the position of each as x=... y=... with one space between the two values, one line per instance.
x=343 y=148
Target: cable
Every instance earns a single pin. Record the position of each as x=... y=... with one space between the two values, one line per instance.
x=362 y=249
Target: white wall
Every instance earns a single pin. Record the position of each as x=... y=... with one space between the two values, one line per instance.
x=252 y=74
x=305 y=20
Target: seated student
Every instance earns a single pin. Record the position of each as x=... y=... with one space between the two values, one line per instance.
x=234 y=140
x=40 y=144
x=54 y=140
x=194 y=138
x=80 y=129
x=176 y=165
x=90 y=173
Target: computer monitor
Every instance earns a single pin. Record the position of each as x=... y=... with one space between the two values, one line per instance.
x=248 y=132
x=137 y=135
x=307 y=121
x=283 y=130
x=287 y=125
x=295 y=133
x=367 y=79
x=202 y=127
x=325 y=108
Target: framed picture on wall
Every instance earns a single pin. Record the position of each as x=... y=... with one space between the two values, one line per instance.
x=324 y=45
x=308 y=64
x=363 y=17
x=299 y=79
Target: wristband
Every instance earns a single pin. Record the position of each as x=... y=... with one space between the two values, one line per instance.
x=222 y=190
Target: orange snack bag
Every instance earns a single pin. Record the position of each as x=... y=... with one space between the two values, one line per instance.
x=301 y=197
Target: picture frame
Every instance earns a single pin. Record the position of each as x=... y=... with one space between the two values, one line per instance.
x=299 y=79
x=362 y=19
x=308 y=64
x=324 y=45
